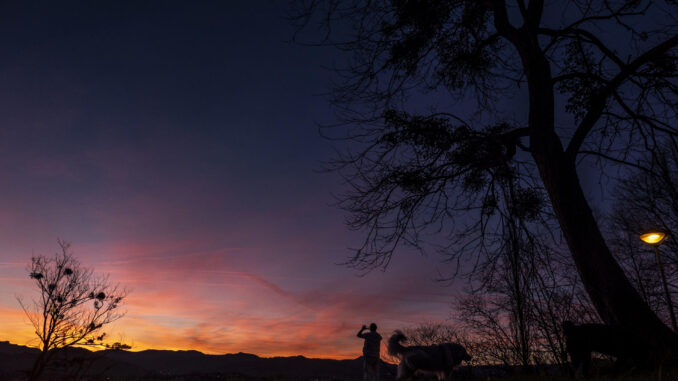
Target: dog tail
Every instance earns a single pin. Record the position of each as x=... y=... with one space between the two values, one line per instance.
x=394 y=346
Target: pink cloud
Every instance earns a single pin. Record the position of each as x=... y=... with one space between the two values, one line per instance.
x=188 y=294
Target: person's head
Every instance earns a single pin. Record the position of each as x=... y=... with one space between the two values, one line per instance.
x=373 y=327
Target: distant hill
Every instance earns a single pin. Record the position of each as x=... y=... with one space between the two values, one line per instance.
x=160 y=364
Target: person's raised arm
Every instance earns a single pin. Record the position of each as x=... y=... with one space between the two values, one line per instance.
x=360 y=333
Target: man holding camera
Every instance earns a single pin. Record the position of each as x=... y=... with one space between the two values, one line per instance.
x=371 y=349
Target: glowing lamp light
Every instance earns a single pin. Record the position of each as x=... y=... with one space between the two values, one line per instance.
x=653 y=237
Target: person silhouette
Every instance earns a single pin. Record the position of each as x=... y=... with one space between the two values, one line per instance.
x=371 y=349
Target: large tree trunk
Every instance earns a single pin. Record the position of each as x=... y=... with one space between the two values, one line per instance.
x=613 y=296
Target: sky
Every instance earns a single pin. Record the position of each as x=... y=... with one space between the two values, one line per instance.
x=175 y=145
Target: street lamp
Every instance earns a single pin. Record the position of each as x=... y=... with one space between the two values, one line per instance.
x=655 y=238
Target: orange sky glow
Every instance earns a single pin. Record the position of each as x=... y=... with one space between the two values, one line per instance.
x=204 y=301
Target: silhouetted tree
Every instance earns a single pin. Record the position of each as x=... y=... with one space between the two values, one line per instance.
x=508 y=273
x=521 y=326
x=556 y=295
x=598 y=79
x=431 y=334
x=118 y=346
x=73 y=306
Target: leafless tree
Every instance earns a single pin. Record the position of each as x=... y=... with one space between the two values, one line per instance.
x=507 y=275
x=431 y=334
x=556 y=295
x=73 y=305
x=599 y=82
x=550 y=293
x=519 y=292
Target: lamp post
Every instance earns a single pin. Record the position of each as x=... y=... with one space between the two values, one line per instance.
x=655 y=238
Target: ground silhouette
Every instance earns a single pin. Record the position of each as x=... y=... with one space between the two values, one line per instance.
x=14 y=359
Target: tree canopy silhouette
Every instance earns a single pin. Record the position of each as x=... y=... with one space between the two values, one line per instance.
x=73 y=306
x=597 y=80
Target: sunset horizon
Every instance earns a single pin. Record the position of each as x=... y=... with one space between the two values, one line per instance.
x=314 y=323
x=450 y=188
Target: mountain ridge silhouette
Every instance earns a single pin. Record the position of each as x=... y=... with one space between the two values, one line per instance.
x=16 y=358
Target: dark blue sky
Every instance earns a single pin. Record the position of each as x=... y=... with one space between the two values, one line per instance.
x=195 y=94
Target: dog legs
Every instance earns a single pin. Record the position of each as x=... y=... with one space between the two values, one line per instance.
x=404 y=371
